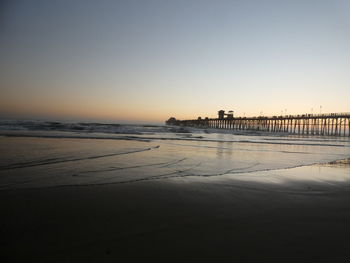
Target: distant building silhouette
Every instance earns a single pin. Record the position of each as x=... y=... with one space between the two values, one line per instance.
x=221 y=114
x=171 y=121
x=230 y=115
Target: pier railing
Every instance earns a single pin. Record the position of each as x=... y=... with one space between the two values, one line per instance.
x=337 y=124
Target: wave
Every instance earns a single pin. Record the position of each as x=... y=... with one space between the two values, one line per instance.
x=161 y=164
x=64 y=160
x=179 y=173
x=50 y=129
x=167 y=138
x=31 y=125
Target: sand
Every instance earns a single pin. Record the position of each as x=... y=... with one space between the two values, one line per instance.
x=292 y=215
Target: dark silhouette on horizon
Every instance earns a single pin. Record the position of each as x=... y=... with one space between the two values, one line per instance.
x=304 y=124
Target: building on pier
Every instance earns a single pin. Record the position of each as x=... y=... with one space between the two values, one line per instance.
x=230 y=115
x=221 y=114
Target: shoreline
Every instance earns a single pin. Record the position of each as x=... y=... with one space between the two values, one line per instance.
x=340 y=163
x=345 y=162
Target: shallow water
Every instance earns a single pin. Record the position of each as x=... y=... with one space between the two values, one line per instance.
x=46 y=154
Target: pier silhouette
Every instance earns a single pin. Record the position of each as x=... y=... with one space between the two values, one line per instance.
x=337 y=124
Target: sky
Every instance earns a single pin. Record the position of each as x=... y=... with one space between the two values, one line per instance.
x=147 y=60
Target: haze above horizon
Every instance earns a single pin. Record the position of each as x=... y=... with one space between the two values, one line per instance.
x=144 y=61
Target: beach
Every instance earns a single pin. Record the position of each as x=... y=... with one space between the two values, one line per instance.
x=188 y=221
x=124 y=200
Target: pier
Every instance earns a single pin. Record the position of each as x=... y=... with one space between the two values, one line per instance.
x=330 y=124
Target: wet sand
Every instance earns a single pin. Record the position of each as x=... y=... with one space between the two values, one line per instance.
x=292 y=215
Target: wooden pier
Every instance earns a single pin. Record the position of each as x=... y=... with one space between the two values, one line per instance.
x=336 y=124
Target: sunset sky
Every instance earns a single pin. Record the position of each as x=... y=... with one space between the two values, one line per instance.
x=144 y=61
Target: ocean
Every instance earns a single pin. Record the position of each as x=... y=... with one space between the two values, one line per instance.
x=38 y=154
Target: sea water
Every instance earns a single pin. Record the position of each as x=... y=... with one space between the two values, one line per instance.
x=38 y=154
